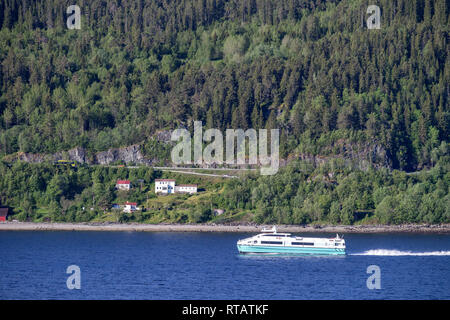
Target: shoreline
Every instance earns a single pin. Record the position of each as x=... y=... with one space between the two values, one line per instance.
x=249 y=228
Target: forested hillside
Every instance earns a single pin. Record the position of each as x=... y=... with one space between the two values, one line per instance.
x=298 y=194
x=310 y=68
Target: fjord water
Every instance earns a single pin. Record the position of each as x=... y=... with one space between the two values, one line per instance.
x=133 y=265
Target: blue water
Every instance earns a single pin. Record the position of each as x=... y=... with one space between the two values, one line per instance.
x=133 y=265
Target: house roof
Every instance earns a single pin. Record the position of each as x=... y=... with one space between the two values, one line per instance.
x=3 y=212
x=164 y=179
x=123 y=181
x=131 y=203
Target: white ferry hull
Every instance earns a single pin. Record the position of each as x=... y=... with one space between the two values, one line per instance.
x=259 y=249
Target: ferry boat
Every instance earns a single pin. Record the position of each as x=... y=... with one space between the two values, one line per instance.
x=272 y=242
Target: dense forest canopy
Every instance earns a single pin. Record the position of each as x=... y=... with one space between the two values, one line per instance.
x=311 y=68
x=298 y=194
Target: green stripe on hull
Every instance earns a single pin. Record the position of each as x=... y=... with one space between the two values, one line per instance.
x=290 y=250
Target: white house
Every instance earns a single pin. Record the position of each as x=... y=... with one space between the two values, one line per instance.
x=168 y=186
x=164 y=186
x=186 y=188
x=123 y=184
x=130 y=207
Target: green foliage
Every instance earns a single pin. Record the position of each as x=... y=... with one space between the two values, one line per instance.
x=350 y=196
x=295 y=195
x=310 y=68
x=38 y=191
x=307 y=67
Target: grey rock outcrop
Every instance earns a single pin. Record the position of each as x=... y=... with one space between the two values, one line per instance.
x=31 y=157
x=78 y=154
x=164 y=136
x=362 y=155
x=130 y=154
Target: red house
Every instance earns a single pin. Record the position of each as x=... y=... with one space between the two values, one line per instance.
x=3 y=214
x=123 y=184
x=130 y=207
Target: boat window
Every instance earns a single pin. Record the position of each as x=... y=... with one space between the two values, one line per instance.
x=271 y=242
x=303 y=243
x=275 y=235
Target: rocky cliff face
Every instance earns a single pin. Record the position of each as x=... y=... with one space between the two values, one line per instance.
x=78 y=154
x=30 y=157
x=130 y=154
x=359 y=155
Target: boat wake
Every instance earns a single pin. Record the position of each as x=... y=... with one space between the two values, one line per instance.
x=386 y=252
